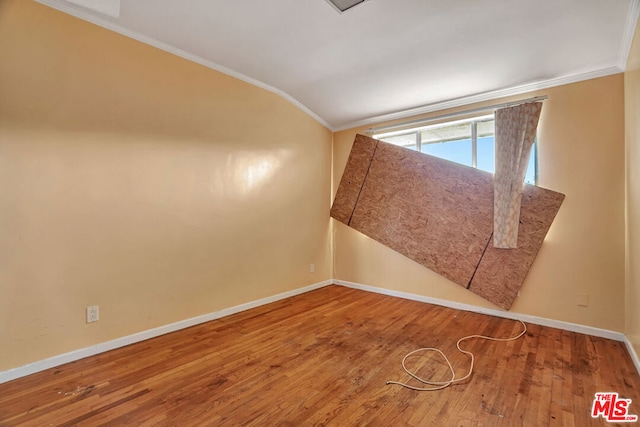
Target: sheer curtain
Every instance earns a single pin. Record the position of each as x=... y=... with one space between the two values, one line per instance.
x=514 y=137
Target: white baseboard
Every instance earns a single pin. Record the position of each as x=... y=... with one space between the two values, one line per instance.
x=61 y=359
x=632 y=353
x=573 y=327
x=58 y=360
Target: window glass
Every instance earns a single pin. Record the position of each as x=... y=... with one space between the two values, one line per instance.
x=455 y=141
x=406 y=140
x=486 y=156
x=439 y=133
x=486 y=128
x=458 y=151
x=531 y=176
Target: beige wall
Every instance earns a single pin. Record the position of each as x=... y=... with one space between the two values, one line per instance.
x=632 y=128
x=581 y=154
x=161 y=190
x=143 y=183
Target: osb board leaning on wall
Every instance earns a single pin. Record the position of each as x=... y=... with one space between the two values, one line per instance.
x=440 y=214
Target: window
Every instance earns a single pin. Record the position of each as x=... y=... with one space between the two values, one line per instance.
x=470 y=142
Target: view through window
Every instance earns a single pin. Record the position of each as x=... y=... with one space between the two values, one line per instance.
x=470 y=142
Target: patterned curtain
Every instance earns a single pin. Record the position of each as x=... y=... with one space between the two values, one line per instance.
x=515 y=134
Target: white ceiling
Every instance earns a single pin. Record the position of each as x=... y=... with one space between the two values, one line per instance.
x=384 y=58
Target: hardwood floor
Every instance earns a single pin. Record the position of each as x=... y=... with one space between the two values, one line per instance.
x=322 y=358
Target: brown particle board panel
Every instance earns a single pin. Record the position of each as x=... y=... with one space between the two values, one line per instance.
x=353 y=178
x=501 y=272
x=428 y=209
x=440 y=214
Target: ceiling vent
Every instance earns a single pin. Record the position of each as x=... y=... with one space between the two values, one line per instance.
x=344 y=5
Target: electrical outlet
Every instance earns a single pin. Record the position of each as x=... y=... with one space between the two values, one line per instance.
x=582 y=300
x=312 y=268
x=93 y=314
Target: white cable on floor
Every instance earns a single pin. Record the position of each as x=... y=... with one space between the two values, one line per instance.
x=439 y=385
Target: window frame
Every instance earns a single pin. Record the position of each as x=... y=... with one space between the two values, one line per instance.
x=473 y=121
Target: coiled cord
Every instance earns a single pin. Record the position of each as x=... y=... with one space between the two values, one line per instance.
x=439 y=385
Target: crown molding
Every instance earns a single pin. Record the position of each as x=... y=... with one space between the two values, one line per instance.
x=104 y=22
x=629 y=32
x=486 y=96
x=106 y=7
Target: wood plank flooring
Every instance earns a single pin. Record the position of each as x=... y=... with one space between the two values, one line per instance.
x=322 y=358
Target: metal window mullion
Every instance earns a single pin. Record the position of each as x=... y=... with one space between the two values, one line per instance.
x=419 y=141
x=535 y=161
x=474 y=144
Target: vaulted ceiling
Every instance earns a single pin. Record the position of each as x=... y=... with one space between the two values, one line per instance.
x=382 y=59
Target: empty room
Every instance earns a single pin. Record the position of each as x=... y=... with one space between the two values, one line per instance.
x=318 y=212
